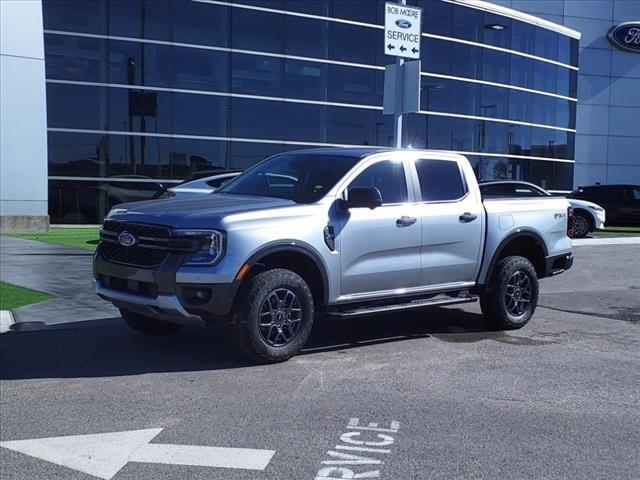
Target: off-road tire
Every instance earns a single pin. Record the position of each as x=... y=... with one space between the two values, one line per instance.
x=494 y=300
x=245 y=324
x=148 y=325
x=581 y=225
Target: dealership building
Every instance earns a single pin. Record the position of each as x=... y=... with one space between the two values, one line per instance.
x=108 y=101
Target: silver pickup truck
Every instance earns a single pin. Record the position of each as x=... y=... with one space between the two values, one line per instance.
x=342 y=232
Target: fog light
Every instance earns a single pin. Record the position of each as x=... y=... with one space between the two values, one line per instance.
x=196 y=295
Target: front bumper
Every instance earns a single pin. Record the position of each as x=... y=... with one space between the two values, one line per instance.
x=156 y=293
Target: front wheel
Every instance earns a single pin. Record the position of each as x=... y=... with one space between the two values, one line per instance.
x=512 y=294
x=274 y=319
x=148 y=325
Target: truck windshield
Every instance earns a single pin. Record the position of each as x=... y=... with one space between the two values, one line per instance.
x=298 y=177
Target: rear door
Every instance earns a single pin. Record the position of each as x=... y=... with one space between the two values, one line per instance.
x=452 y=219
x=380 y=248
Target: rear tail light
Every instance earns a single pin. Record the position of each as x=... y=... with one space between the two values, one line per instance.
x=570 y=222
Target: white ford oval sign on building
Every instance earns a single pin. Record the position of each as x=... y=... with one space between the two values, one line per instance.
x=402 y=30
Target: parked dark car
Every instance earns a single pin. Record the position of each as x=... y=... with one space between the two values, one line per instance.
x=621 y=202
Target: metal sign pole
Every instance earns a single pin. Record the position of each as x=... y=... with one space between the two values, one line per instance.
x=397 y=117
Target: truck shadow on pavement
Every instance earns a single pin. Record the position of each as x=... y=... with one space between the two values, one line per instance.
x=112 y=349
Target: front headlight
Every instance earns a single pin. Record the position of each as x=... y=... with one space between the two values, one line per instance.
x=212 y=246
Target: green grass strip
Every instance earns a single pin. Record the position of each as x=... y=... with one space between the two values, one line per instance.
x=12 y=296
x=72 y=237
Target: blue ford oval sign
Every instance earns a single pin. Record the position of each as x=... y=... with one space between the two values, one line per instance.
x=402 y=23
x=127 y=239
x=626 y=36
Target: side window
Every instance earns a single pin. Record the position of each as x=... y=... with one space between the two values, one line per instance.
x=440 y=180
x=388 y=177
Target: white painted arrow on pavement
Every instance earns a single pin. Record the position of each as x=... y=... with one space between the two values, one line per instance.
x=104 y=454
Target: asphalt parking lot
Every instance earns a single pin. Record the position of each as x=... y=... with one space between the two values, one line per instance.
x=436 y=394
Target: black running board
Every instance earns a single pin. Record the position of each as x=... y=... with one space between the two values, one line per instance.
x=400 y=307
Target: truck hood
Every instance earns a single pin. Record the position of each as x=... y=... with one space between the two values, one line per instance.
x=203 y=211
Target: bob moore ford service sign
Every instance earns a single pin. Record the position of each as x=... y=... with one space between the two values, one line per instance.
x=402 y=30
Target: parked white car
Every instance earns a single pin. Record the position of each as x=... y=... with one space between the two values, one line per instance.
x=200 y=186
x=587 y=216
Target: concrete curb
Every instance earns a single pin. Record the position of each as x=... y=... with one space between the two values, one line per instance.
x=582 y=242
x=6 y=320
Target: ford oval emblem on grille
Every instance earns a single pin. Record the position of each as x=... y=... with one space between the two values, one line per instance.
x=402 y=23
x=127 y=239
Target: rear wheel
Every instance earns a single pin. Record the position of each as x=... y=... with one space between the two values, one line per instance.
x=581 y=225
x=512 y=294
x=274 y=319
x=148 y=325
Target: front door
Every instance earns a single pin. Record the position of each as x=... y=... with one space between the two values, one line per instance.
x=380 y=248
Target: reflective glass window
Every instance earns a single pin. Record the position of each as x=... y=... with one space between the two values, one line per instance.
x=351 y=43
x=435 y=94
x=436 y=17
x=440 y=180
x=468 y=23
x=436 y=56
x=256 y=118
x=305 y=123
x=522 y=36
x=358 y=10
x=75 y=58
x=75 y=15
x=521 y=71
x=314 y=7
x=126 y=18
x=199 y=114
x=494 y=101
x=465 y=97
x=306 y=79
x=200 y=23
x=496 y=66
x=464 y=134
x=546 y=43
x=497 y=30
x=73 y=106
x=256 y=75
x=306 y=37
x=388 y=177
x=545 y=76
x=256 y=30
x=520 y=105
x=466 y=61
x=353 y=85
x=351 y=126
x=197 y=69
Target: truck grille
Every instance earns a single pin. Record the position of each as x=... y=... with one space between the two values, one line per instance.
x=150 y=250
x=135 y=256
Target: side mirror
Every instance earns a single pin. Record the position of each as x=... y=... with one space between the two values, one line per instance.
x=363 y=197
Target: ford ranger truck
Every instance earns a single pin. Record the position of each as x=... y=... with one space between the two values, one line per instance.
x=339 y=232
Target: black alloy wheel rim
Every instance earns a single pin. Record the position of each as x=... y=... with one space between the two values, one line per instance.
x=280 y=317
x=518 y=294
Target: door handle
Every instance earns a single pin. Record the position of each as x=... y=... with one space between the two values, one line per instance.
x=405 y=221
x=467 y=217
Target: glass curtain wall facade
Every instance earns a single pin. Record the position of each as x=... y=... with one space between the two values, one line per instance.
x=145 y=92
